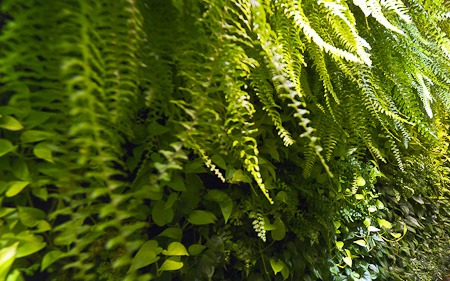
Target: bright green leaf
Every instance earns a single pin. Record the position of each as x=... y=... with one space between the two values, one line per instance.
x=15 y=187
x=43 y=151
x=10 y=123
x=5 y=147
x=175 y=249
x=199 y=217
x=360 y=181
x=372 y=209
x=395 y=234
x=27 y=248
x=339 y=245
x=384 y=223
x=359 y=196
x=7 y=257
x=379 y=204
x=170 y=265
x=277 y=266
x=348 y=261
x=360 y=243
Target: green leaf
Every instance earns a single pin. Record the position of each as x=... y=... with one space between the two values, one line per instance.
x=339 y=245
x=285 y=272
x=224 y=201
x=170 y=265
x=239 y=176
x=41 y=193
x=35 y=136
x=277 y=266
x=348 y=261
x=7 y=257
x=177 y=183
x=267 y=225
x=199 y=217
x=395 y=234
x=360 y=181
x=359 y=196
x=280 y=232
x=282 y=197
x=10 y=123
x=15 y=187
x=372 y=209
x=337 y=224
x=27 y=248
x=43 y=151
x=5 y=147
x=147 y=254
x=172 y=232
x=379 y=204
x=175 y=249
x=29 y=216
x=50 y=258
x=160 y=215
x=384 y=223
x=20 y=169
x=171 y=200
x=196 y=249
x=43 y=226
x=360 y=243
x=218 y=160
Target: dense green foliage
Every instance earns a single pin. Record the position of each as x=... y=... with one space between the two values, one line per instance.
x=224 y=140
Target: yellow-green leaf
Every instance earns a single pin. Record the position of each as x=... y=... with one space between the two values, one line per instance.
x=5 y=147
x=359 y=196
x=277 y=266
x=348 y=261
x=43 y=151
x=175 y=249
x=360 y=181
x=360 y=243
x=170 y=265
x=339 y=245
x=15 y=187
x=7 y=257
x=384 y=223
x=10 y=123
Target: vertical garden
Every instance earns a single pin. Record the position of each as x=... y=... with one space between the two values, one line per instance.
x=224 y=140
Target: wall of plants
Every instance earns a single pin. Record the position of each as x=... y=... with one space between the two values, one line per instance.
x=224 y=140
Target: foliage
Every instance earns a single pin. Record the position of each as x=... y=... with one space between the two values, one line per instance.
x=224 y=140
